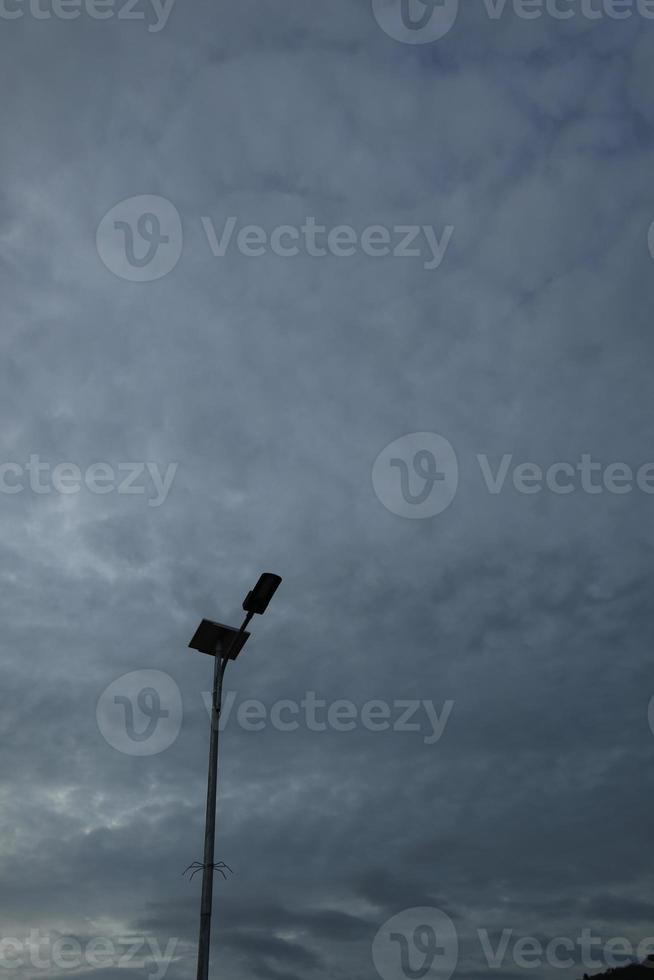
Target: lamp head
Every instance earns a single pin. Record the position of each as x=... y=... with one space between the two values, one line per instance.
x=256 y=601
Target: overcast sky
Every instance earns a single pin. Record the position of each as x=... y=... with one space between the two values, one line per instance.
x=508 y=608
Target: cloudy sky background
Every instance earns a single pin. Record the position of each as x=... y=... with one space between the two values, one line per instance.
x=274 y=383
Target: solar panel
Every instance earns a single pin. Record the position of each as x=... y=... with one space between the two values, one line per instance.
x=216 y=638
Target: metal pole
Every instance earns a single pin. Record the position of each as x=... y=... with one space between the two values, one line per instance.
x=220 y=665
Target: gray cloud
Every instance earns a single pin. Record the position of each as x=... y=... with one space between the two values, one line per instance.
x=274 y=383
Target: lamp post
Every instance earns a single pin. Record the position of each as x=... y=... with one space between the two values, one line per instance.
x=224 y=643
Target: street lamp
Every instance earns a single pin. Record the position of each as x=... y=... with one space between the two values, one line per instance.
x=223 y=643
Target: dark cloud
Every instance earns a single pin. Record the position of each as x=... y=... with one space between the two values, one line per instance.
x=274 y=383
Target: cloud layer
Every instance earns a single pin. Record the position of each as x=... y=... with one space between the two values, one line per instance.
x=274 y=383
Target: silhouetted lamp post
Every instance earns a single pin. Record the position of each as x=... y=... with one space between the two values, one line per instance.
x=224 y=643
